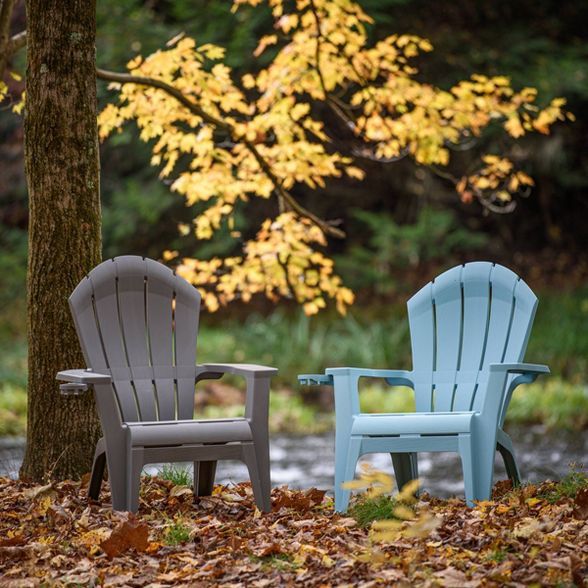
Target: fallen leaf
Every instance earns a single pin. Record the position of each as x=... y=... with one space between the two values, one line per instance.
x=267 y=549
x=315 y=495
x=58 y=514
x=14 y=552
x=581 y=504
x=295 y=500
x=526 y=528
x=180 y=491
x=576 y=566
x=501 y=488
x=130 y=534
x=37 y=491
x=11 y=541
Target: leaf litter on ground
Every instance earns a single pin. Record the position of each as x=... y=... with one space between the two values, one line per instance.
x=53 y=535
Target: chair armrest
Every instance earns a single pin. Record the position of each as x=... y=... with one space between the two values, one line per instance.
x=78 y=381
x=211 y=370
x=527 y=373
x=392 y=377
x=83 y=377
x=315 y=380
x=520 y=368
x=256 y=394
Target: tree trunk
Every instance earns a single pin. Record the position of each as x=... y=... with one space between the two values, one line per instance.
x=62 y=168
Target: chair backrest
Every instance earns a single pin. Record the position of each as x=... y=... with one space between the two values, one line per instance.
x=469 y=317
x=138 y=321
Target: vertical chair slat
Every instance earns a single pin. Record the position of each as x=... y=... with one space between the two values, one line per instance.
x=447 y=295
x=159 y=317
x=186 y=318
x=131 y=273
x=520 y=331
x=103 y=280
x=85 y=320
x=522 y=322
x=186 y=392
x=501 y=312
x=422 y=334
x=476 y=307
x=502 y=306
x=187 y=314
x=166 y=397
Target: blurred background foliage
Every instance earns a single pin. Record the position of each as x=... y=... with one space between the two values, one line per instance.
x=404 y=224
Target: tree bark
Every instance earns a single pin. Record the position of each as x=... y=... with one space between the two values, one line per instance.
x=62 y=168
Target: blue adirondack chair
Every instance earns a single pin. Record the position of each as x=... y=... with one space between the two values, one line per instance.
x=469 y=332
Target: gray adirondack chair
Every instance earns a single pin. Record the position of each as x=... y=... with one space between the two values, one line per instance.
x=137 y=322
x=469 y=331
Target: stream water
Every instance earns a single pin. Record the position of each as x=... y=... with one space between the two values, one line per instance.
x=305 y=462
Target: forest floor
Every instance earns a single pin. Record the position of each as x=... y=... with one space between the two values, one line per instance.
x=51 y=536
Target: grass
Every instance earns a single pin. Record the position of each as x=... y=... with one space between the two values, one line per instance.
x=301 y=344
x=13 y=410
x=366 y=510
x=554 y=402
x=371 y=336
x=179 y=476
x=176 y=533
x=568 y=486
x=288 y=413
x=280 y=561
x=379 y=337
x=498 y=555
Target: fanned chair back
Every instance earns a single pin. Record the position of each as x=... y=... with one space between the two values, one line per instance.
x=464 y=320
x=138 y=321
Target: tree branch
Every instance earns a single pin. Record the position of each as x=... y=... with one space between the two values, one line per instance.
x=17 y=42
x=336 y=105
x=194 y=108
x=6 y=9
x=123 y=78
x=284 y=197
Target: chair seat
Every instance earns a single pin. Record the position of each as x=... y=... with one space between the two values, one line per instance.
x=419 y=423
x=181 y=432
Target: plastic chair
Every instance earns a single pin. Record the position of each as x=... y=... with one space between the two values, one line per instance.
x=469 y=332
x=137 y=322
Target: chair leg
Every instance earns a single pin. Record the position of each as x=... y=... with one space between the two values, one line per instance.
x=345 y=472
x=467 y=464
x=484 y=464
x=98 y=466
x=512 y=470
x=477 y=456
x=258 y=465
x=97 y=476
x=133 y=479
x=405 y=468
x=204 y=472
x=117 y=464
